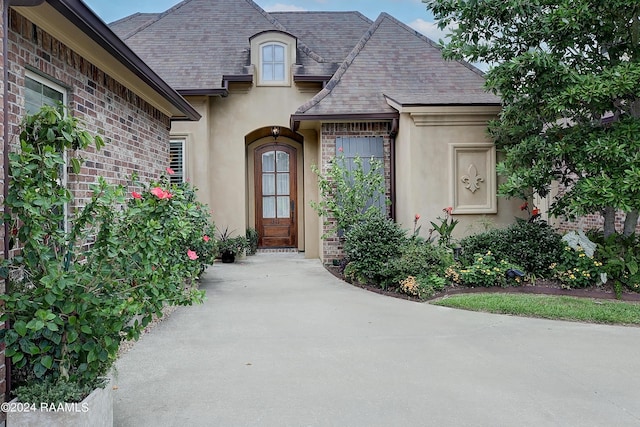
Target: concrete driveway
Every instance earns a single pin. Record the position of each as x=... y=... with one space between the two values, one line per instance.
x=281 y=342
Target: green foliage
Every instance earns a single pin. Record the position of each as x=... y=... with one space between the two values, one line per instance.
x=533 y=246
x=81 y=287
x=252 y=238
x=486 y=270
x=227 y=244
x=560 y=67
x=346 y=195
x=445 y=227
x=575 y=269
x=420 y=260
x=56 y=392
x=620 y=258
x=369 y=245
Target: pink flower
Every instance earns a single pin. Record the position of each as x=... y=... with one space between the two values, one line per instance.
x=192 y=255
x=205 y=238
x=170 y=171
x=417 y=217
x=136 y=195
x=340 y=149
x=161 y=194
x=448 y=210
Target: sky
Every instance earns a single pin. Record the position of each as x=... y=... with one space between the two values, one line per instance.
x=412 y=12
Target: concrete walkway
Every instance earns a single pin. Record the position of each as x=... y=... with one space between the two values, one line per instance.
x=281 y=342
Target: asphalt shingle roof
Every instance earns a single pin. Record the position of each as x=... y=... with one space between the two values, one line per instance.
x=393 y=60
x=195 y=43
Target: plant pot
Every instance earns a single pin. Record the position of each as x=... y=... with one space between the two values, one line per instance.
x=228 y=257
x=95 y=410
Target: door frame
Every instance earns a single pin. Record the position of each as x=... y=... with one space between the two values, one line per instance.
x=253 y=143
x=293 y=192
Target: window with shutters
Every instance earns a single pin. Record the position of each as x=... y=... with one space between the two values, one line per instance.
x=366 y=148
x=176 y=160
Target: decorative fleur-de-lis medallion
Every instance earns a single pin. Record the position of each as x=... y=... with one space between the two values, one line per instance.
x=473 y=180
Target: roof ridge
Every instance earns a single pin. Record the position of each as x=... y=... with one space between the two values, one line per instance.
x=301 y=45
x=432 y=43
x=342 y=69
x=153 y=21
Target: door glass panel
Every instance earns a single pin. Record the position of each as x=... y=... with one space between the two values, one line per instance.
x=283 y=184
x=268 y=184
x=268 y=207
x=283 y=161
x=283 y=207
x=269 y=162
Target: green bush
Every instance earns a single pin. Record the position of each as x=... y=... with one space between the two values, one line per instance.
x=58 y=392
x=369 y=245
x=533 y=246
x=486 y=270
x=575 y=269
x=423 y=287
x=620 y=258
x=418 y=259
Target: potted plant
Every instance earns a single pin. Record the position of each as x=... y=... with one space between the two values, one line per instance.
x=230 y=247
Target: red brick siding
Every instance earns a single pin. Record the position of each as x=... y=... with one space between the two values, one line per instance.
x=136 y=134
x=3 y=382
x=332 y=247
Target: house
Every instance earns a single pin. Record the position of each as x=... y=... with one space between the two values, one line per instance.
x=60 y=51
x=296 y=86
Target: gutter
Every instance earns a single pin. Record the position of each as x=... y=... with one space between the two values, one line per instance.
x=83 y=18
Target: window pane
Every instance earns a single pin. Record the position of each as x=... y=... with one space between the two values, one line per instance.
x=268 y=207
x=52 y=95
x=268 y=184
x=283 y=184
x=283 y=207
x=278 y=53
x=283 y=161
x=278 y=72
x=267 y=53
x=176 y=160
x=269 y=162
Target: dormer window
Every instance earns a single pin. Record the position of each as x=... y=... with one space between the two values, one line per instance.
x=273 y=54
x=273 y=62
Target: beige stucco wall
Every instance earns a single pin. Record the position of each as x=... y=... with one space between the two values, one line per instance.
x=218 y=154
x=430 y=177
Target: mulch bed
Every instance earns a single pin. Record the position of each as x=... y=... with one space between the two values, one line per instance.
x=543 y=287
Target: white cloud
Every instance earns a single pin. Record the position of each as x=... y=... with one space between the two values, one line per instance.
x=281 y=7
x=429 y=29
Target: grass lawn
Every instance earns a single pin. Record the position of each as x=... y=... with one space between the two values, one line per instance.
x=548 y=307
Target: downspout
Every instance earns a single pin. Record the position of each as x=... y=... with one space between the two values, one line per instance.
x=392 y=135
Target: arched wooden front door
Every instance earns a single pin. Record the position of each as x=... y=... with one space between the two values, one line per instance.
x=276 y=204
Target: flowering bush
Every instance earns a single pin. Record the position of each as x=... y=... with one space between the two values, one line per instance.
x=422 y=287
x=485 y=271
x=576 y=269
x=445 y=227
x=76 y=289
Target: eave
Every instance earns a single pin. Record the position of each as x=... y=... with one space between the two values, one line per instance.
x=75 y=25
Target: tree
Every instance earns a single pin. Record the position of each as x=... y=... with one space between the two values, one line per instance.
x=568 y=73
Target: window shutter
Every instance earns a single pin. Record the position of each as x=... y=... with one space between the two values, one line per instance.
x=176 y=160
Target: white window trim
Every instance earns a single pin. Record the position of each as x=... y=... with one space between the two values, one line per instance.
x=274 y=82
x=278 y=38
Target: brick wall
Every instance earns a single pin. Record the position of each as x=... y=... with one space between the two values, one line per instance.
x=135 y=133
x=3 y=383
x=332 y=247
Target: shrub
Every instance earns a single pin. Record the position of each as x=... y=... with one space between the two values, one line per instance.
x=533 y=246
x=487 y=270
x=348 y=194
x=423 y=287
x=620 y=257
x=79 y=288
x=575 y=269
x=368 y=246
x=418 y=259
